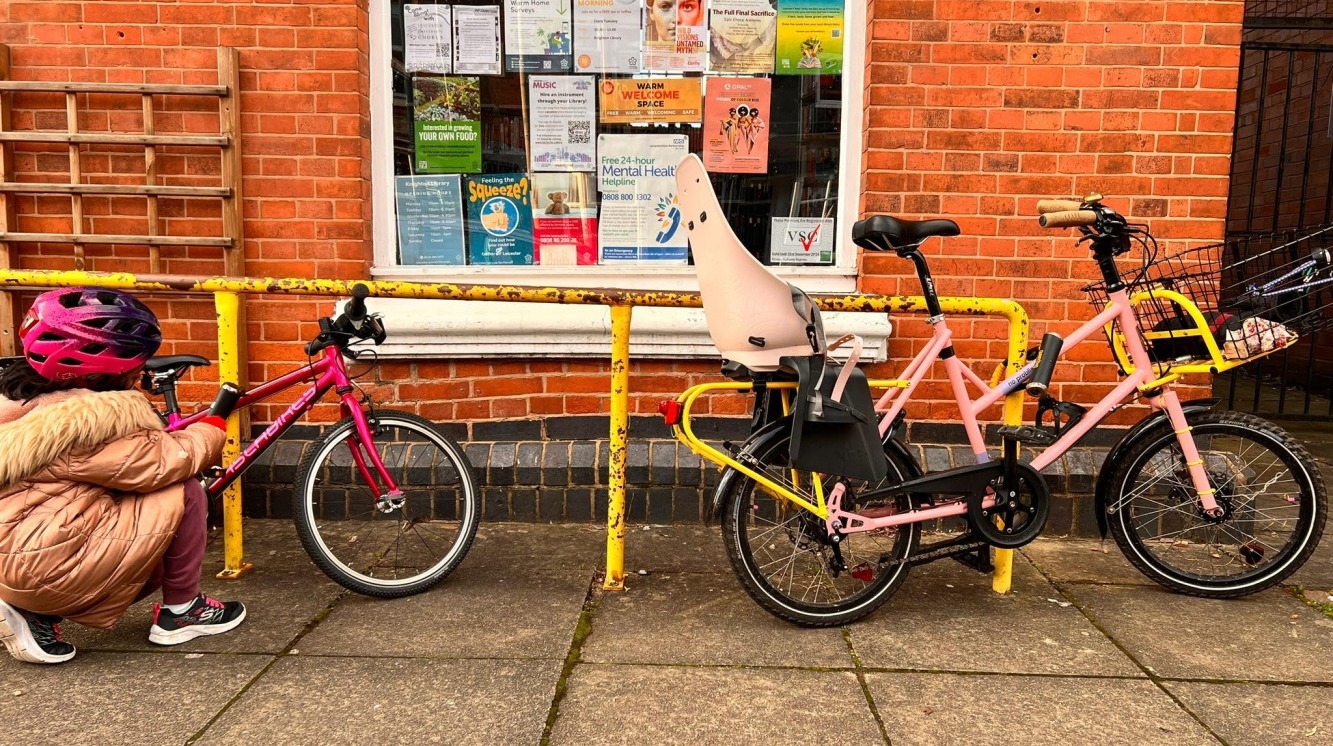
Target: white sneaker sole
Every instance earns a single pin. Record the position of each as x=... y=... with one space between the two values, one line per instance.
x=160 y=636
x=19 y=641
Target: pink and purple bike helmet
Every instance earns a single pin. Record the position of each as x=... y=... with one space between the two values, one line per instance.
x=84 y=331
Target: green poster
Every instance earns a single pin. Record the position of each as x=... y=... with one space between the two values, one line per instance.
x=447 y=126
x=809 y=37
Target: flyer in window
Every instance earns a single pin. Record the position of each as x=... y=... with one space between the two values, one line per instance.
x=640 y=219
x=564 y=219
x=675 y=35
x=607 y=36
x=735 y=129
x=801 y=241
x=561 y=114
x=742 y=35
x=447 y=124
x=809 y=37
x=427 y=38
x=430 y=219
x=499 y=219
x=643 y=100
x=477 y=40
x=538 y=36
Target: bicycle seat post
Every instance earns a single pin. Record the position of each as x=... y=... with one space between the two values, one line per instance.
x=913 y=252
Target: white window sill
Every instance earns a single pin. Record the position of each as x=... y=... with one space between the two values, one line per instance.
x=435 y=328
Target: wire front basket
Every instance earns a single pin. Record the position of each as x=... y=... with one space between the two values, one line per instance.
x=1230 y=302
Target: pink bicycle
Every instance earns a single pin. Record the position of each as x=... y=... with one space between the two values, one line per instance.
x=822 y=507
x=384 y=503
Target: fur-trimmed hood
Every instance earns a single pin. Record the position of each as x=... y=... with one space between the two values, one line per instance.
x=34 y=434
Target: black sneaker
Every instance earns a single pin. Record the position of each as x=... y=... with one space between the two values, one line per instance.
x=206 y=616
x=33 y=638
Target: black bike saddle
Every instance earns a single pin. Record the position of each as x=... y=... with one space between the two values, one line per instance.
x=164 y=362
x=883 y=232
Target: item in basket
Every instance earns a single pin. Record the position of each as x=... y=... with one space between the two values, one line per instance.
x=1222 y=325
x=1256 y=336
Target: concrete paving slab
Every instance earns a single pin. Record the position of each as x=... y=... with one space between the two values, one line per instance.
x=946 y=617
x=1317 y=572
x=1269 y=636
x=556 y=546
x=1260 y=713
x=1083 y=561
x=664 y=705
x=939 y=709
x=709 y=620
x=107 y=698
x=361 y=701
x=675 y=549
x=478 y=612
x=283 y=594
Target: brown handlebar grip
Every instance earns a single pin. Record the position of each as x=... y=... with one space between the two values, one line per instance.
x=1057 y=205
x=1068 y=219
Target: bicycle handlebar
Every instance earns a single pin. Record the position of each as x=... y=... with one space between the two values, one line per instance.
x=1068 y=219
x=1057 y=205
x=356 y=307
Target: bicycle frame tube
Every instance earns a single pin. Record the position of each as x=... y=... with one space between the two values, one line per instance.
x=1118 y=309
x=329 y=372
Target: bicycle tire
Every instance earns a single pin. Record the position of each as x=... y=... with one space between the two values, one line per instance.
x=1163 y=562
x=771 y=450
x=318 y=533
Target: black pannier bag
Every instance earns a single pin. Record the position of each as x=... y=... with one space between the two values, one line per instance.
x=834 y=437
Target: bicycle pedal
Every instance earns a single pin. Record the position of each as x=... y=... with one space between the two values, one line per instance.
x=976 y=559
x=1028 y=434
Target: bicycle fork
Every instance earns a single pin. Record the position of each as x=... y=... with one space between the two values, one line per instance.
x=1168 y=401
x=388 y=496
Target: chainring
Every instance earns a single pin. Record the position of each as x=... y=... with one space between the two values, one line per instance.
x=1019 y=514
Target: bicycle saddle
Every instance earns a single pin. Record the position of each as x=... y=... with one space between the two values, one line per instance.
x=166 y=362
x=754 y=317
x=883 y=232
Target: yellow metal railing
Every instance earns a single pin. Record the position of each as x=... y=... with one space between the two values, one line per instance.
x=227 y=290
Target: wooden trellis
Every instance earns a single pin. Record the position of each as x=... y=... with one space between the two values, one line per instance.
x=227 y=139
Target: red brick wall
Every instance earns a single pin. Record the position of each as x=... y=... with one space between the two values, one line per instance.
x=975 y=109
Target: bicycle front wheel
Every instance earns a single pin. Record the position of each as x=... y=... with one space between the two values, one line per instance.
x=378 y=542
x=782 y=553
x=1273 y=507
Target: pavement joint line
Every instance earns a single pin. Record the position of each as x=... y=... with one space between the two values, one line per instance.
x=582 y=630
x=310 y=626
x=724 y=666
x=1156 y=680
x=865 y=688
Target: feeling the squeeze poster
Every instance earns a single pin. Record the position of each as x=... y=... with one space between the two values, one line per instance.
x=499 y=219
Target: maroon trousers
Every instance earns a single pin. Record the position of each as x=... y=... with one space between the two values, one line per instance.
x=178 y=575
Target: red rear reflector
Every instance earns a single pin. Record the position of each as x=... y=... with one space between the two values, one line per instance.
x=670 y=411
x=863 y=572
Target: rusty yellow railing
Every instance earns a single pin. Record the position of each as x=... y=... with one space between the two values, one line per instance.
x=226 y=291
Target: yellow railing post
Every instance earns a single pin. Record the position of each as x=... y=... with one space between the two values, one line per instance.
x=229 y=371
x=1003 y=575
x=615 y=508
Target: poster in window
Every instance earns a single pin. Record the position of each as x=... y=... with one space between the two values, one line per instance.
x=564 y=219
x=675 y=35
x=477 y=40
x=430 y=219
x=801 y=241
x=447 y=124
x=538 y=36
x=640 y=219
x=499 y=219
x=809 y=37
x=735 y=130
x=427 y=39
x=561 y=118
x=607 y=36
x=644 y=100
x=691 y=36
x=742 y=35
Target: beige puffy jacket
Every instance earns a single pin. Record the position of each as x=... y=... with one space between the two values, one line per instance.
x=91 y=492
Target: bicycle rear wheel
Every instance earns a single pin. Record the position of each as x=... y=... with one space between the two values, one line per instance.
x=782 y=555
x=393 y=545
x=1266 y=483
